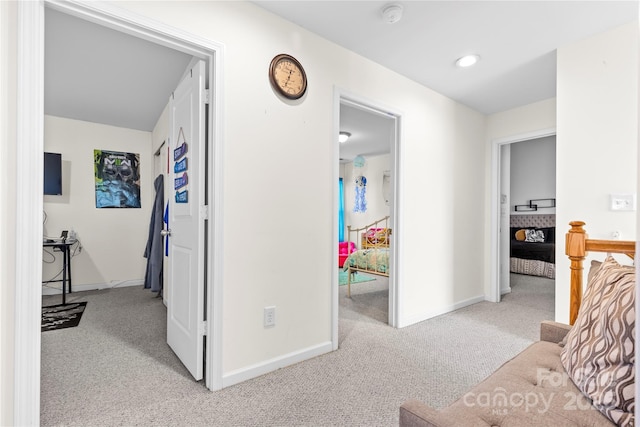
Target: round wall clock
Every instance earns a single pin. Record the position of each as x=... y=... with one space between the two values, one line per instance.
x=287 y=76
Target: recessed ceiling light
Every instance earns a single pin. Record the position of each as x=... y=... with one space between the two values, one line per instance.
x=467 y=61
x=344 y=136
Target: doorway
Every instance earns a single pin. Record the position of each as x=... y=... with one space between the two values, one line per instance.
x=501 y=209
x=385 y=156
x=30 y=130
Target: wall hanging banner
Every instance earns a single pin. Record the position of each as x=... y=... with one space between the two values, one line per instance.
x=360 y=204
x=182 y=196
x=181 y=149
x=117 y=179
x=180 y=181
x=180 y=166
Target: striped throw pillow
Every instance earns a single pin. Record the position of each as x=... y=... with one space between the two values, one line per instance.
x=599 y=352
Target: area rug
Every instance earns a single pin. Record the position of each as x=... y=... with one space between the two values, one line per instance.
x=62 y=316
x=358 y=278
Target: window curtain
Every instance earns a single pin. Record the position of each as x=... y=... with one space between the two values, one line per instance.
x=340 y=210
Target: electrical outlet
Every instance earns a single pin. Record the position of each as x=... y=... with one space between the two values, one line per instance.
x=269 y=316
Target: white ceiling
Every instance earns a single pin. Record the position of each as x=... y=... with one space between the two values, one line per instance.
x=95 y=74
x=516 y=41
x=371 y=133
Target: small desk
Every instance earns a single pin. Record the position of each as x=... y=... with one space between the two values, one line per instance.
x=65 y=248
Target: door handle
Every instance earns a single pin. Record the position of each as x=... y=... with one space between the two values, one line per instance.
x=165 y=232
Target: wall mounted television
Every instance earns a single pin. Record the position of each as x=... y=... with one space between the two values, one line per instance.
x=53 y=173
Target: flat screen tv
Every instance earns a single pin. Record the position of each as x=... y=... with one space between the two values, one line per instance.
x=53 y=173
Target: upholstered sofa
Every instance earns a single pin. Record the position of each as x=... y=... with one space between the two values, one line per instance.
x=574 y=376
x=531 y=389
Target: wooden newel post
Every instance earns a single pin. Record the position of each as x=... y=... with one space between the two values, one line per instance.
x=576 y=251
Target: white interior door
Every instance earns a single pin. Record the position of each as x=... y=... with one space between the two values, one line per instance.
x=187 y=213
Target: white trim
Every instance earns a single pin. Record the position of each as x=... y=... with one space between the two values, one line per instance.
x=30 y=149
x=30 y=94
x=253 y=371
x=395 y=289
x=213 y=356
x=116 y=18
x=494 y=292
x=433 y=313
x=342 y=96
x=57 y=288
x=335 y=282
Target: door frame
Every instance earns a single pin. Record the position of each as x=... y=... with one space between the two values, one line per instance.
x=496 y=184
x=30 y=131
x=375 y=107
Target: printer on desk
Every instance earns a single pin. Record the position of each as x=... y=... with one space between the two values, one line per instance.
x=61 y=239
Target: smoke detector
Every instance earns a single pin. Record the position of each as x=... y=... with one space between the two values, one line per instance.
x=392 y=13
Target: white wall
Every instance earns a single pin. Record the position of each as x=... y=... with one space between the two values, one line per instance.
x=268 y=142
x=596 y=142
x=161 y=130
x=525 y=120
x=533 y=174
x=113 y=240
x=376 y=208
x=597 y=100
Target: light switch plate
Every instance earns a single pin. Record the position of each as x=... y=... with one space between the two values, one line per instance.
x=623 y=202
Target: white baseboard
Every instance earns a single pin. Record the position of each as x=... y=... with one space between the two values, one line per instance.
x=56 y=289
x=506 y=290
x=412 y=320
x=253 y=371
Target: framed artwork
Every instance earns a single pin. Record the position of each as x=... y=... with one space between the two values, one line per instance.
x=117 y=179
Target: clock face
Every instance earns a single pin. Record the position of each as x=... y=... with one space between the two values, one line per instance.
x=287 y=76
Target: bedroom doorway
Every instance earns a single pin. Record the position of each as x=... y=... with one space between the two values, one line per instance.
x=367 y=167
x=511 y=189
x=30 y=114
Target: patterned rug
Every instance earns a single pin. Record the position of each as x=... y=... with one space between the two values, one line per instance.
x=357 y=278
x=62 y=316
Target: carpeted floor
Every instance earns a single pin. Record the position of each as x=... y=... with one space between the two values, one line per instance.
x=116 y=369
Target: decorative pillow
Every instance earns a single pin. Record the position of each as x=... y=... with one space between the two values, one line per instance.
x=377 y=235
x=549 y=234
x=595 y=266
x=521 y=234
x=534 y=236
x=599 y=352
